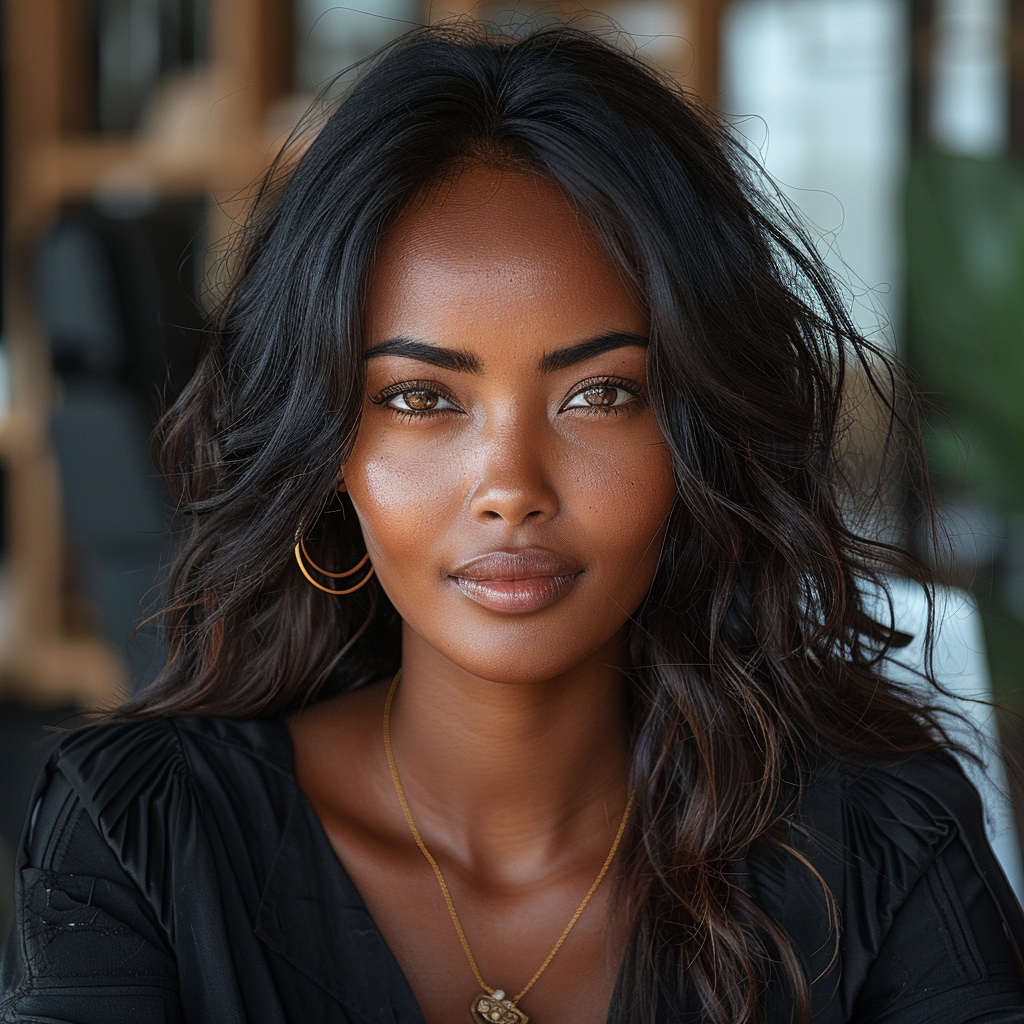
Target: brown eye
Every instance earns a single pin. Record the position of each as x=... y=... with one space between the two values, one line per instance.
x=417 y=399
x=420 y=400
x=601 y=396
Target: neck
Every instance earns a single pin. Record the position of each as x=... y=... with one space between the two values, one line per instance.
x=510 y=772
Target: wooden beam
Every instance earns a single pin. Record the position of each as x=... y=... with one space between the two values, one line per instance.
x=33 y=33
x=706 y=18
x=922 y=54
x=251 y=53
x=438 y=10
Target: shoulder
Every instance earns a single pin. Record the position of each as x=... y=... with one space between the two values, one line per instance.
x=885 y=822
x=162 y=790
x=176 y=736
x=866 y=839
x=859 y=837
x=875 y=827
x=120 y=761
x=917 y=801
x=927 y=916
x=903 y=823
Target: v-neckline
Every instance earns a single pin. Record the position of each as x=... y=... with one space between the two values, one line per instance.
x=293 y=917
x=303 y=817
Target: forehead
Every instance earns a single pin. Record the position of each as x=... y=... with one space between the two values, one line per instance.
x=491 y=249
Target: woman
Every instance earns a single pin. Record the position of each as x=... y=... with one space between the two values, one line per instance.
x=518 y=667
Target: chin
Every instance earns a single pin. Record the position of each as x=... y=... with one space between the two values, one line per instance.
x=524 y=654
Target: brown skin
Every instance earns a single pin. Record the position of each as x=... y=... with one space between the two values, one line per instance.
x=508 y=726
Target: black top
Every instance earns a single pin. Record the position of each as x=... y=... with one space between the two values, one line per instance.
x=173 y=871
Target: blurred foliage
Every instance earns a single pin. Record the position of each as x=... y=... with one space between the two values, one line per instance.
x=965 y=323
x=965 y=305
x=1004 y=646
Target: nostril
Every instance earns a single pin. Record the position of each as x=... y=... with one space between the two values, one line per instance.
x=517 y=502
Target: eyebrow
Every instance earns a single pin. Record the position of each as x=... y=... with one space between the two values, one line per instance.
x=465 y=362
x=446 y=358
x=563 y=357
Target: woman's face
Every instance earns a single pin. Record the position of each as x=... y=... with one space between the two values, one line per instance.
x=509 y=476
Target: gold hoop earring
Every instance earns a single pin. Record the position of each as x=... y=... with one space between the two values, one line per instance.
x=301 y=552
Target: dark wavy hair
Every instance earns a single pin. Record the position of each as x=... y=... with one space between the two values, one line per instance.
x=754 y=654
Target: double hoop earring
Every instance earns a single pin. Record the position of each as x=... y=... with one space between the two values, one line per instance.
x=301 y=553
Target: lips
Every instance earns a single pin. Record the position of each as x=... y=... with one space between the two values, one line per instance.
x=516 y=582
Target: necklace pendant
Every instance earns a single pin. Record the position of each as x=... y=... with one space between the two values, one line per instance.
x=496 y=1009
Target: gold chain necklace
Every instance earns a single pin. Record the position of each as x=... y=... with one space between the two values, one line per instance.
x=493 y=1007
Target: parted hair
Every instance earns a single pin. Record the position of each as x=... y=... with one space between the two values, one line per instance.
x=753 y=657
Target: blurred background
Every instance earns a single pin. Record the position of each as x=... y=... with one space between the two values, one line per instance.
x=133 y=128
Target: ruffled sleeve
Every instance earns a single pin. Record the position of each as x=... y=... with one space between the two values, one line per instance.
x=88 y=946
x=950 y=932
x=927 y=928
x=134 y=783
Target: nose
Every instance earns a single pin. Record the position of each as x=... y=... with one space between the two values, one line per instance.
x=513 y=482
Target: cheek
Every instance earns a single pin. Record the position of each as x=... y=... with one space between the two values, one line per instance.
x=404 y=498
x=622 y=496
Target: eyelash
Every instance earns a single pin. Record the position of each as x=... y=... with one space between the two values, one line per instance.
x=631 y=387
x=433 y=388
x=411 y=387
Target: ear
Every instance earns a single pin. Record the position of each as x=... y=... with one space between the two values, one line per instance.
x=339 y=481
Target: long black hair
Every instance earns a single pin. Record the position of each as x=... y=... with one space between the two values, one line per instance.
x=753 y=651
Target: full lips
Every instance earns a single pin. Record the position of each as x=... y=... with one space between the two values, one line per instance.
x=516 y=581
x=516 y=596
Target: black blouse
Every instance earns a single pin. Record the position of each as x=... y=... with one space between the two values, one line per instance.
x=173 y=871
